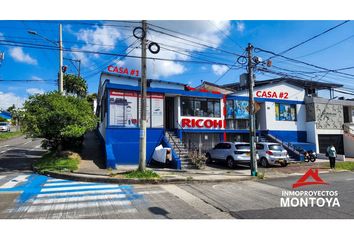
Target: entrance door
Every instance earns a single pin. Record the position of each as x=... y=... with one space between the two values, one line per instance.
x=169 y=113
x=324 y=140
x=346 y=114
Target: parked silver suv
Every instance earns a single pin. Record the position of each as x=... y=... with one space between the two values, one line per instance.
x=272 y=153
x=4 y=127
x=231 y=153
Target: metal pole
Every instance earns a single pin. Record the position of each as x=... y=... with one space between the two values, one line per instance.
x=61 y=87
x=79 y=68
x=142 y=145
x=251 y=112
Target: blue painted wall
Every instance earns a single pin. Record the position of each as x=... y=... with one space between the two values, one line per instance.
x=122 y=145
x=288 y=136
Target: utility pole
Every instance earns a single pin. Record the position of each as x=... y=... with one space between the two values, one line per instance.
x=251 y=111
x=142 y=145
x=60 y=82
x=78 y=74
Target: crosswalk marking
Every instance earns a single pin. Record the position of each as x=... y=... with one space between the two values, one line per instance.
x=13 y=182
x=69 y=194
x=78 y=198
x=54 y=184
x=78 y=188
x=76 y=205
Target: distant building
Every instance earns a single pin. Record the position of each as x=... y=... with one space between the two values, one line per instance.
x=5 y=115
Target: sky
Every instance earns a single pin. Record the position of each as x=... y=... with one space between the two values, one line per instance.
x=208 y=55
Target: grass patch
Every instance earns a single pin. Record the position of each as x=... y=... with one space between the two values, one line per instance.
x=53 y=162
x=147 y=174
x=9 y=135
x=344 y=166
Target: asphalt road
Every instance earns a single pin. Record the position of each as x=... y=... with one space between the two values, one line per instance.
x=24 y=194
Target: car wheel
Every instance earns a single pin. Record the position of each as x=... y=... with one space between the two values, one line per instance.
x=284 y=164
x=230 y=162
x=264 y=162
x=209 y=160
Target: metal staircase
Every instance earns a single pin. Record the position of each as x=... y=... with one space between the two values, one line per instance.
x=293 y=153
x=179 y=148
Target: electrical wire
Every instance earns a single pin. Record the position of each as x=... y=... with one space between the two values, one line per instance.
x=310 y=39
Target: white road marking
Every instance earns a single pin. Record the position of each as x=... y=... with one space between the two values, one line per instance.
x=78 y=198
x=151 y=192
x=57 y=180
x=349 y=179
x=102 y=191
x=195 y=202
x=4 y=146
x=78 y=188
x=70 y=206
x=13 y=182
x=2 y=177
x=51 y=184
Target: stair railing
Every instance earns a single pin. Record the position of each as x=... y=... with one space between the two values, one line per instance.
x=194 y=147
x=175 y=144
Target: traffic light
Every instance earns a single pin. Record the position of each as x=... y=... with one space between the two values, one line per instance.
x=64 y=68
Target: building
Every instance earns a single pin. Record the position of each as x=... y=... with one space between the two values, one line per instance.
x=208 y=114
x=5 y=115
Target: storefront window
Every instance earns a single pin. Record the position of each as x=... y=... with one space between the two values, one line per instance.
x=285 y=112
x=200 y=107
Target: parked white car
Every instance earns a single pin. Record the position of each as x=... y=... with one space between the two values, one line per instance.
x=271 y=154
x=231 y=153
x=4 y=127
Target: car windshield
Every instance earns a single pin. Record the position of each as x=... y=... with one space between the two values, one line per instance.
x=276 y=147
x=242 y=146
x=3 y=124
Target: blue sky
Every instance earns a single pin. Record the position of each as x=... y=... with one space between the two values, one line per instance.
x=332 y=50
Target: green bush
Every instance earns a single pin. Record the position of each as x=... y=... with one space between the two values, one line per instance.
x=61 y=120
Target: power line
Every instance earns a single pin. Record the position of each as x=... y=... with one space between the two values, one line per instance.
x=305 y=63
x=192 y=41
x=53 y=48
x=328 y=47
x=316 y=36
x=226 y=35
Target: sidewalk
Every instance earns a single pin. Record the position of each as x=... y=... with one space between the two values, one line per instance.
x=92 y=169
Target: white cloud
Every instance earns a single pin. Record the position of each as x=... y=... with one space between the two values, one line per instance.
x=18 y=55
x=240 y=26
x=33 y=91
x=219 y=69
x=201 y=31
x=8 y=99
x=98 y=39
x=37 y=78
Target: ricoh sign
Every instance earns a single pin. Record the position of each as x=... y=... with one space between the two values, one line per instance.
x=202 y=123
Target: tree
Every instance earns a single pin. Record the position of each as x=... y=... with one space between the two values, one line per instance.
x=75 y=85
x=91 y=98
x=61 y=120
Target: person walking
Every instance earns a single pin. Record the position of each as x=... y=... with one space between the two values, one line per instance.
x=332 y=154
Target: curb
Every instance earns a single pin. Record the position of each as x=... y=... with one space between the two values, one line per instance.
x=103 y=179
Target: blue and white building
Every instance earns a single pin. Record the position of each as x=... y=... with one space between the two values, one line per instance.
x=186 y=118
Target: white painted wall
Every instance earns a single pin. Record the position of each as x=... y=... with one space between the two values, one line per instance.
x=267 y=114
x=294 y=93
x=272 y=124
x=312 y=136
x=348 y=141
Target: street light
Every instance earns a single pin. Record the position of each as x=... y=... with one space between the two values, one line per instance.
x=57 y=44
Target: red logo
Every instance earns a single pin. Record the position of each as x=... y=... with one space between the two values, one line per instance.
x=310 y=173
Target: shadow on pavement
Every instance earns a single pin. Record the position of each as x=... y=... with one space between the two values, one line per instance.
x=92 y=150
x=19 y=159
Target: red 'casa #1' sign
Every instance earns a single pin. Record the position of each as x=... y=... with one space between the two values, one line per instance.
x=123 y=70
